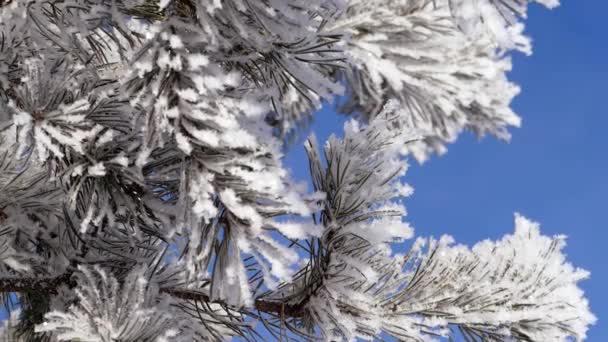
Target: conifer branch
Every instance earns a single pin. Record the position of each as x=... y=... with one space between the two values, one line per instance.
x=141 y=152
x=52 y=284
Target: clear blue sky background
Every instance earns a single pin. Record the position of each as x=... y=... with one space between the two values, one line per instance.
x=555 y=169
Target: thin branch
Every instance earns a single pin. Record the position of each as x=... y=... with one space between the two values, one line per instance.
x=45 y=285
x=50 y=286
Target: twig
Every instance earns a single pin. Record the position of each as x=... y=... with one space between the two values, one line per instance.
x=51 y=285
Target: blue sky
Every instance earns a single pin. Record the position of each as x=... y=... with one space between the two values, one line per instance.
x=554 y=170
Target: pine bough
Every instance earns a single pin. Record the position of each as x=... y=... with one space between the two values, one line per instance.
x=142 y=195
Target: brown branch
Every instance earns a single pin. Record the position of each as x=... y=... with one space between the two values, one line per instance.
x=289 y=310
x=50 y=286
x=272 y=307
x=44 y=285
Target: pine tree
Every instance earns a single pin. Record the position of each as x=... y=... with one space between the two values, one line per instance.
x=143 y=196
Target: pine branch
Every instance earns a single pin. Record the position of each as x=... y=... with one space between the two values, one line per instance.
x=51 y=286
x=141 y=150
x=44 y=285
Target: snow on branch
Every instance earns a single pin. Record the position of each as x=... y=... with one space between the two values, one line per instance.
x=109 y=311
x=422 y=52
x=143 y=194
x=497 y=18
x=518 y=287
x=283 y=48
x=351 y=266
x=231 y=183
